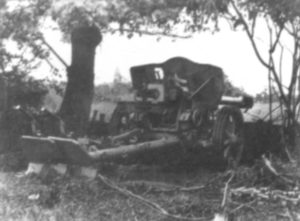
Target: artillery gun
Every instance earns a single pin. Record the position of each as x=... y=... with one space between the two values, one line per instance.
x=184 y=99
x=176 y=103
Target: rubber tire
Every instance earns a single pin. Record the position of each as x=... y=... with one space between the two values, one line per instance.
x=218 y=133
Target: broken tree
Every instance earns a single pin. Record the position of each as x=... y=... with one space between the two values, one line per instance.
x=75 y=108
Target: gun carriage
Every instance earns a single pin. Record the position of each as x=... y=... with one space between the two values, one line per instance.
x=176 y=103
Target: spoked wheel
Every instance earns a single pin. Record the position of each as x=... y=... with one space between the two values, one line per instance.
x=228 y=135
x=119 y=122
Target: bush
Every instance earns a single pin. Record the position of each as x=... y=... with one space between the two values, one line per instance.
x=24 y=90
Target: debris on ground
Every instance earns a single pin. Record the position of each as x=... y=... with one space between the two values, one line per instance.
x=268 y=190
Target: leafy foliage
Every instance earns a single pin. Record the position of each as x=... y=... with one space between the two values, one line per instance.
x=20 y=28
x=22 y=24
x=159 y=17
x=231 y=90
x=120 y=89
x=24 y=90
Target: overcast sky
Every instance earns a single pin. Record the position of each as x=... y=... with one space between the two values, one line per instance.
x=230 y=50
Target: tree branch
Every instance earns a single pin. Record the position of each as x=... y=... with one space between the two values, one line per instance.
x=225 y=195
x=278 y=35
x=53 y=51
x=147 y=32
x=249 y=35
x=290 y=32
x=253 y=26
x=278 y=82
x=263 y=62
x=280 y=61
x=295 y=66
x=295 y=70
x=164 y=187
x=147 y=202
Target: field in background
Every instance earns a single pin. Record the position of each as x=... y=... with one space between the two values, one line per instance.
x=260 y=111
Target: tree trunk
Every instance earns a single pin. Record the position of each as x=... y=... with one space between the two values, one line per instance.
x=76 y=105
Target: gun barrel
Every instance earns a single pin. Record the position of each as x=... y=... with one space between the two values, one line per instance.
x=69 y=151
x=241 y=101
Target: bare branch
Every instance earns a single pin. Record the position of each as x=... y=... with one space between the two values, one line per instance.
x=53 y=51
x=253 y=43
x=243 y=205
x=249 y=35
x=277 y=38
x=147 y=32
x=291 y=32
x=163 y=187
x=280 y=61
x=278 y=81
x=270 y=35
x=269 y=166
x=267 y=194
x=228 y=19
x=253 y=26
x=50 y=63
x=147 y=202
x=225 y=195
x=295 y=68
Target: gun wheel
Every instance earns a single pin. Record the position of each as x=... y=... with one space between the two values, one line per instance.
x=119 y=121
x=228 y=135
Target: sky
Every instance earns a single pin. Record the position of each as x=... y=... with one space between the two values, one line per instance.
x=230 y=50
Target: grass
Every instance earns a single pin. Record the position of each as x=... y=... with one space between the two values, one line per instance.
x=53 y=197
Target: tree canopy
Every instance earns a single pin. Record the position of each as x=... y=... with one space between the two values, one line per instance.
x=23 y=22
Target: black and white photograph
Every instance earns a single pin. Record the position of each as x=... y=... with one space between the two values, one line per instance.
x=149 y=110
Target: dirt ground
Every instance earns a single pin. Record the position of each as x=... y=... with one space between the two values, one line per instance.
x=140 y=192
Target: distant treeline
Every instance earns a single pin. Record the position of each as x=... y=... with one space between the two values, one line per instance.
x=122 y=90
x=264 y=97
x=25 y=90
x=113 y=92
